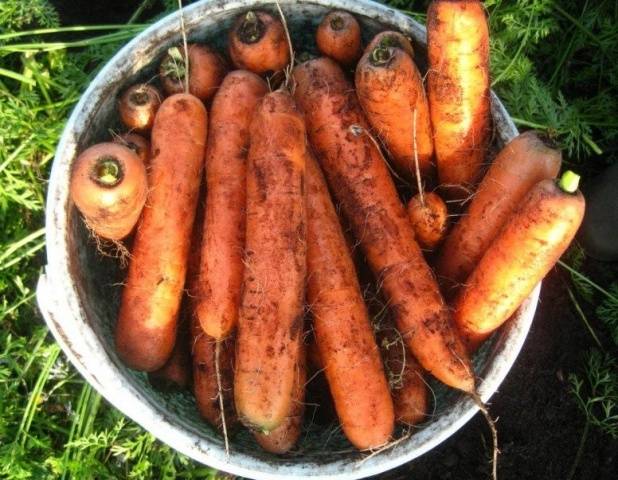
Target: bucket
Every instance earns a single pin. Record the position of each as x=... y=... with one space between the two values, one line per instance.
x=79 y=292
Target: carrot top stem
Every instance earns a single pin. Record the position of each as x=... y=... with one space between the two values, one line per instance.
x=107 y=171
x=337 y=23
x=380 y=56
x=569 y=182
x=139 y=97
x=251 y=29
x=174 y=66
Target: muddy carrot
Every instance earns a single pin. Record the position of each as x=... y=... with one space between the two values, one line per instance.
x=339 y=37
x=391 y=39
x=428 y=215
x=138 y=106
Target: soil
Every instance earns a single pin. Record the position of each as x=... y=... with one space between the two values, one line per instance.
x=539 y=424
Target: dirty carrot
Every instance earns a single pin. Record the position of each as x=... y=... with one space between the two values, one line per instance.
x=362 y=184
x=138 y=106
x=343 y=332
x=525 y=250
x=521 y=164
x=270 y=321
x=390 y=90
x=109 y=187
x=428 y=215
x=146 y=328
x=339 y=37
x=257 y=42
x=221 y=266
x=206 y=71
x=458 y=90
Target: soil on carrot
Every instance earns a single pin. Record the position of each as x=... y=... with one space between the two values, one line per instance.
x=539 y=424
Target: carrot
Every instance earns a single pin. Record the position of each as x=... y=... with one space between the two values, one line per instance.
x=257 y=42
x=405 y=375
x=521 y=164
x=284 y=437
x=176 y=373
x=458 y=89
x=391 y=92
x=270 y=321
x=205 y=386
x=221 y=264
x=343 y=333
x=206 y=71
x=146 y=328
x=428 y=215
x=361 y=182
x=339 y=37
x=137 y=143
x=390 y=38
x=138 y=106
x=109 y=187
x=525 y=250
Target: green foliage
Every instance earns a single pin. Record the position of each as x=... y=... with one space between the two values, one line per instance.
x=596 y=392
x=607 y=311
x=20 y=14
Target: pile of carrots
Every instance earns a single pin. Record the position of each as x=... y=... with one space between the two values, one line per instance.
x=242 y=207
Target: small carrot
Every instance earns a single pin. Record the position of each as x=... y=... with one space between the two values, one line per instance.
x=147 y=321
x=221 y=264
x=525 y=250
x=206 y=71
x=270 y=320
x=392 y=39
x=138 y=106
x=391 y=92
x=257 y=42
x=285 y=436
x=458 y=89
x=343 y=332
x=137 y=143
x=109 y=187
x=428 y=215
x=405 y=376
x=339 y=37
x=521 y=164
x=361 y=182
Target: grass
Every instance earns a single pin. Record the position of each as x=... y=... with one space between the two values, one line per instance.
x=553 y=65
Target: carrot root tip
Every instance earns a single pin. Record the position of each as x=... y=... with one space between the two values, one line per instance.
x=107 y=171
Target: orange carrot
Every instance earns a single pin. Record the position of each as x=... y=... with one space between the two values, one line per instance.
x=339 y=37
x=525 y=250
x=221 y=264
x=137 y=143
x=406 y=381
x=521 y=164
x=146 y=328
x=390 y=38
x=458 y=88
x=428 y=215
x=391 y=92
x=343 y=333
x=270 y=321
x=362 y=184
x=284 y=437
x=257 y=42
x=176 y=373
x=206 y=71
x=109 y=187
x=138 y=106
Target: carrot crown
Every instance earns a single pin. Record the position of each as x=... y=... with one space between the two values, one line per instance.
x=107 y=171
x=251 y=29
x=337 y=23
x=139 y=97
x=569 y=182
x=381 y=56
x=174 y=65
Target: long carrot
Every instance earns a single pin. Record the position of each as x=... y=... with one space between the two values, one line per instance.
x=458 y=88
x=176 y=373
x=109 y=187
x=270 y=321
x=391 y=92
x=146 y=328
x=521 y=164
x=341 y=325
x=221 y=264
x=529 y=245
x=339 y=37
x=362 y=184
x=257 y=42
